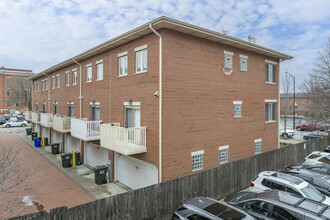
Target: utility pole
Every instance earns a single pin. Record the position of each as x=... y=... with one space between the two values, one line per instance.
x=294 y=100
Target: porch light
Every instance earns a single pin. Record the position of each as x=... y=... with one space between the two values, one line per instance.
x=130 y=102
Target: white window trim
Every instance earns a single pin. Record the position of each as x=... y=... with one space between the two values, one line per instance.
x=70 y=103
x=141 y=48
x=67 y=83
x=228 y=53
x=271 y=83
x=88 y=65
x=271 y=62
x=133 y=104
x=258 y=140
x=237 y=102
x=43 y=85
x=55 y=103
x=225 y=147
x=74 y=70
x=195 y=153
x=270 y=100
x=58 y=82
x=99 y=61
x=122 y=54
x=95 y=104
x=243 y=56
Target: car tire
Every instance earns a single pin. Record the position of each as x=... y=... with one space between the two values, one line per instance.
x=299 y=128
x=7 y=126
x=23 y=125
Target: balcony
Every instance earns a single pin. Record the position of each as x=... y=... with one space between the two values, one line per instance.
x=36 y=117
x=46 y=120
x=85 y=130
x=28 y=115
x=126 y=141
x=62 y=123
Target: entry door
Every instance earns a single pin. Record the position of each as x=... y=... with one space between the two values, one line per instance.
x=133 y=120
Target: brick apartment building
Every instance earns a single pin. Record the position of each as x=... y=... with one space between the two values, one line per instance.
x=173 y=98
x=304 y=107
x=14 y=89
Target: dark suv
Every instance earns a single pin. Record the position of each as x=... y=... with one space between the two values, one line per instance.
x=203 y=208
x=276 y=204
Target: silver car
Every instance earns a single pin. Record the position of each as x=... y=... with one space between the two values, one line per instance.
x=15 y=123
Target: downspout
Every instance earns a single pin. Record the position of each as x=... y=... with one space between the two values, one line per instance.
x=160 y=102
x=80 y=97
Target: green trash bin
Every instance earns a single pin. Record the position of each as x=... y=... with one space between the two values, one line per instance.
x=34 y=135
x=100 y=174
x=28 y=131
x=55 y=148
x=77 y=156
x=46 y=141
x=66 y=160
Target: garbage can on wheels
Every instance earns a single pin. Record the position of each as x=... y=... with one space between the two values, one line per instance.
x=55 y=148
x=100 y=174
x=34 y=135
x=66 y=160
x=28 y=131
x=37 y=142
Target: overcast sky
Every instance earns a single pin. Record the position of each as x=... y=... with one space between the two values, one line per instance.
x=36 y=34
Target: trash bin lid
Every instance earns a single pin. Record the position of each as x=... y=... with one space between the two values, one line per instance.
x=66 y=154
x=101 y=167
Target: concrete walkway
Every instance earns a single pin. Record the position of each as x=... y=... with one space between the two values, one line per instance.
x=81 y=175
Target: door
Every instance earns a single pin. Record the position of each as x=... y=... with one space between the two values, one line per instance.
x=71 y=143
x=95 y=155
x=133 y=120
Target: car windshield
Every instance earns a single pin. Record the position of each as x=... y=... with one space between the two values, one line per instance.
x=312 y=193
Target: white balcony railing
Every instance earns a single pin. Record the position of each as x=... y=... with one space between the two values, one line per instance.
x=46 y=119
x=28 y=115
x=85 y=130
x=62 y=123
x=36 y=117
x=126 y=141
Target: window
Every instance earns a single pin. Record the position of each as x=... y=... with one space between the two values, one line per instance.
x=8 y=81
x=237 y=109
x=223 y=154
x=141 y=59
x=89 y=73
x=37 y=86
x=53 y=82
x=281 y=213
x=257 y=146
x=99 y=70
x=46 y=84
x=8 y=103
x=17 y=81
x=25 y=81
x=58 y=81
x=55 y=108
x=70 y=109
x=17 y=104
x=228 y=59
x=44 y=107
x=243 y=62
x=67 y=78
x=36 y=106
x=95 y=112
x=259 y=207
x=122 y=64
x=197 y=217
x=43 y=85
x=293 y=191
x=271 y=72
x=8 y=92
x=74 y=76
x=197 y=160
x=270 y=111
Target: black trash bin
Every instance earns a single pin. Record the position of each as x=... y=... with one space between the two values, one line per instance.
x=55 y=148
x=66 y=160
x=28 y=131
x=100 y=174
x=34 y=135
x=77 y=158
x=46 y=141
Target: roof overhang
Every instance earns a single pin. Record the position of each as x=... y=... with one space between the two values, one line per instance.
x=172 y=24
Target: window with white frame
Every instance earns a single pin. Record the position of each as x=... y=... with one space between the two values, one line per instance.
x=122 y=64
x=257 y=146
x=37 y=86
x=8 y=103
x=74 y=76
x=223 y=154
x=197 y=160
x=270 y=110
x=67 y=78
x=46 y=84
x=53 y=82
x=141 y=59
x=58 y=81
x=237 y=109
x=17 y=81
x=99 y=70
x=44 y=107
x=8 y=91
x=8 y=81
x=70 y=109
x=89 y=73
x=270 y=72
x=228 y=59
x=55 y=108
x=243 y=62
x=36 y=106
x=43 y=85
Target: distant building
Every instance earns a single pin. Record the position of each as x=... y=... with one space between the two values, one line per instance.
x=303 y=105
x=14 y=90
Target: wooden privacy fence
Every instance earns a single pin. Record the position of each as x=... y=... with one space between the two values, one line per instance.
x=161 y=200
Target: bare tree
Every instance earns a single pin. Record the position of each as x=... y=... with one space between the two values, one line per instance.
x=13 y=181
x=21 y=92
x=317 y=87
x=286 y=84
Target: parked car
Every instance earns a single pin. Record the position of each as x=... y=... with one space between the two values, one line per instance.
x=286 y=133
x=2 y=120
x=267 y=180
x=315 y=134
x=276 y=204
x=7 y=117
x=319 y=168
x=310 y=126
x=317 y=157
x=204 y=208
x=327 y=149
x=15 y=123
x=319 y=180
